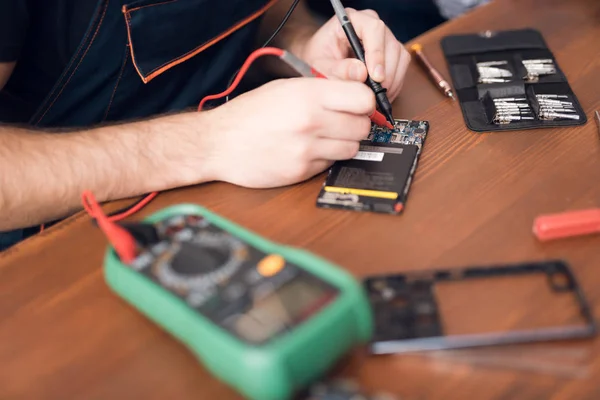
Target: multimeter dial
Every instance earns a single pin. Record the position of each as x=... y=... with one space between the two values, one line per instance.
x=201 y=262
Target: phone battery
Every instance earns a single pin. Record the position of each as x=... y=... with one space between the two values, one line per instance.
x=377 y=179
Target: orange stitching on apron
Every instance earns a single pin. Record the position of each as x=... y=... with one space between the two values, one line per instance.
x=112 y=96
x=147 y=5
x=159 y=70
x=70 y=64
x=78 y=64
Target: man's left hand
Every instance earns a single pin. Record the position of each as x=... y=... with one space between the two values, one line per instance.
x=329 y=51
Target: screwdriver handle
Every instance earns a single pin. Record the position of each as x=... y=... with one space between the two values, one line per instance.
x=567 y=224
x=434 y=74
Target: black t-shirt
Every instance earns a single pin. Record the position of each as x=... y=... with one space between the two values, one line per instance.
x=41 y=36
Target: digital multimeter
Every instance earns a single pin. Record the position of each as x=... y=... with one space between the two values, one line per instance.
x=265 y=318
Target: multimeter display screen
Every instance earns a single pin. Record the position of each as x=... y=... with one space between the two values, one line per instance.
x=281 y=310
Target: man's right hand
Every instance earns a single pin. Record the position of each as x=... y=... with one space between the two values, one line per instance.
x=288 y=131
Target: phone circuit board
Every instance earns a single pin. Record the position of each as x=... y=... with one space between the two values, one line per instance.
x=404 y=132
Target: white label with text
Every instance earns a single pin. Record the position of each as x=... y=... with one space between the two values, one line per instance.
x=368 y=156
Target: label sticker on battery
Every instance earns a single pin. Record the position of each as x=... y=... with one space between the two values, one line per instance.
x=381 y=149
x=368 y=156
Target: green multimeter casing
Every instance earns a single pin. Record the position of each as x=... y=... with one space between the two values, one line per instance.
x=282 y=365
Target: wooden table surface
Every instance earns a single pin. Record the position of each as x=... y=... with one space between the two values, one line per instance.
x=63 y=335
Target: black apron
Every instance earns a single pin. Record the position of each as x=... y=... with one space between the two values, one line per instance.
x=147 y=57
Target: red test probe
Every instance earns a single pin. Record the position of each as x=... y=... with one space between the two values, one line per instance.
x=122 y=241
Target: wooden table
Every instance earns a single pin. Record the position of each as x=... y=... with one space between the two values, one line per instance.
x=63 y=335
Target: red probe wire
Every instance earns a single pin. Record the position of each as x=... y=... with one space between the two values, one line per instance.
x=137 y=207
x=376 y=117
x=121 y=240
x=267 y=51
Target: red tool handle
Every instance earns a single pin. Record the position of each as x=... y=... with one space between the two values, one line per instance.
x=567 y=224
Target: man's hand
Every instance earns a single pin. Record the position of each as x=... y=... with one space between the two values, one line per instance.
x=288 y=131
x=329 y=51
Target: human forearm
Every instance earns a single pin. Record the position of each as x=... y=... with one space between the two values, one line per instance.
x=43 y=174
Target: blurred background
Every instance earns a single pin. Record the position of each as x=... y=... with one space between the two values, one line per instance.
x=406 y=18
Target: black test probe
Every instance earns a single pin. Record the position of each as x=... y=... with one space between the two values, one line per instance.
x=380 y=93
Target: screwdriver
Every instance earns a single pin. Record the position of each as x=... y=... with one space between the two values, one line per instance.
x=380 y=93
x=439 y=81
x=567 y=224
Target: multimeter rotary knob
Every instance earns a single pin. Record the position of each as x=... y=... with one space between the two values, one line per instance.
x=200 y=263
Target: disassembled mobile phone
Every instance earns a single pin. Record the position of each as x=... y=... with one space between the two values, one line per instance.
x=265 y=318
x=446 y=309
x=378 y=178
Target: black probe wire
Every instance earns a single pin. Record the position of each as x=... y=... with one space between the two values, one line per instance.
x=282 y=23
x=269 y=40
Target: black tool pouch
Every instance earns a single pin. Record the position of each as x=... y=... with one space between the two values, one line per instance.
x=491 y=66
